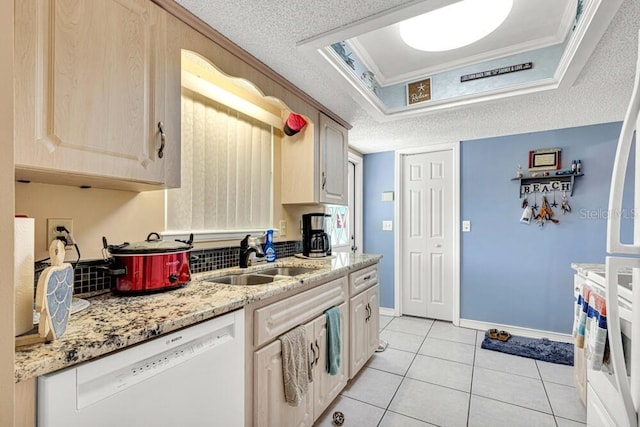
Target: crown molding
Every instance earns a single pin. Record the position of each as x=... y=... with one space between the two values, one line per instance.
x=178 y=11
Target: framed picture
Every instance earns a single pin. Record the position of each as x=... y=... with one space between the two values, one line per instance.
x=545 y=159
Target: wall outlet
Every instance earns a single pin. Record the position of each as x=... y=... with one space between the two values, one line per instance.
x=283 y=228
x=53 y=233
x=387 y=225
x=466 y=226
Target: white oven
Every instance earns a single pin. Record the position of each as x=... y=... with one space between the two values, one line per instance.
x=605 y=407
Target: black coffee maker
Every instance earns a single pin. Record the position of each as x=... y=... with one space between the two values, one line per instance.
x=316 y=243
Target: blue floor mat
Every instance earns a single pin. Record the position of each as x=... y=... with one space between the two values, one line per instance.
x=540 y=349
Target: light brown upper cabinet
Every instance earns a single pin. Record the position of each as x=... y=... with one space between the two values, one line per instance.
x=314 y=164
x=92 y=102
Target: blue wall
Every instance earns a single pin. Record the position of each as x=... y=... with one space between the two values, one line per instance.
x=517 y=274
x=511 y=273
x=378 y=177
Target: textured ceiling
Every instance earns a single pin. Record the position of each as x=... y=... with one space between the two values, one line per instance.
x=270 y=30
x=529 y=25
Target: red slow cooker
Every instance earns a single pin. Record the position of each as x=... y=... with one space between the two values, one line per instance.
x=152 y=265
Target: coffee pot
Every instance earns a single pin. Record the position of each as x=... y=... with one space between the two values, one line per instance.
x=316 y=243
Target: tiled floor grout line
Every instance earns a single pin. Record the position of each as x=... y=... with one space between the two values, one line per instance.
x=544 y=387
x=404 y=376
x=510 y=403
x=473 y=366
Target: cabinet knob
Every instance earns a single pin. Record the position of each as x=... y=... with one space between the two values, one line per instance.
x=162 y=139
x=324 y=180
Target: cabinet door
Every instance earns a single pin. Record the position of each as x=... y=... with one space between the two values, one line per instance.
x=373 y=324
x=358 y=334
x=94 y=88
x=333 y=162
x=327 y=387
x=269 y=406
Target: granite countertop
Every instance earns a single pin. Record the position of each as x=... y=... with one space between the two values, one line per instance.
x=114 y=322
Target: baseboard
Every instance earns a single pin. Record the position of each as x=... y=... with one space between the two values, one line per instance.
x=515 y=330
x=388 y=311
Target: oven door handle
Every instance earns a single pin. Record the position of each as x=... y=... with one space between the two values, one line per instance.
x=612 y=266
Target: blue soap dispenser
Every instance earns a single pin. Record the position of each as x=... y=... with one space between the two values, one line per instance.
x=269 y=250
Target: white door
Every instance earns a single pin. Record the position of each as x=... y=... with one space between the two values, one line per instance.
x=351 y=199
x=427 y=229
x=344 y=225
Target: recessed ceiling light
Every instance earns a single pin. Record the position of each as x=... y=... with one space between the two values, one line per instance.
x=454 y=26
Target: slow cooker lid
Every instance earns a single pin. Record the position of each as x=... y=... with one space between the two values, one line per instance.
x=152 y=245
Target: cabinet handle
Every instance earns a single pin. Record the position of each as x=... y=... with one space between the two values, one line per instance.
x=317 y=354
x=324 y=180
x=162 y=139
x=367 y=277
x=368 y=313
x=313 y=356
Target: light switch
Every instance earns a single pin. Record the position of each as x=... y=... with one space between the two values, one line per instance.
x=466 y=226
x=387 y=225
x=387 y=196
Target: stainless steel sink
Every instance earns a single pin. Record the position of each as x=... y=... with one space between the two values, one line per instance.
x=244 y=279
x=286 y=271
x=261 y=277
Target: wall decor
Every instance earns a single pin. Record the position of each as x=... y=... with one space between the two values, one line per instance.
x=341 y=50
x=419 y=91
x=496 y=72
x=369 y=80
x=545 y=159
x=546 y=184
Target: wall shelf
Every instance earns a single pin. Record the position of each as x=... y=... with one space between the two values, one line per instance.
x=546 y=184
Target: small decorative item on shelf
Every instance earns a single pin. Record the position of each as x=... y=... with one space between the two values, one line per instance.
x=519 y=173
x=564 y=172
x=579 y=167
x=545 y=159
x=574 y=166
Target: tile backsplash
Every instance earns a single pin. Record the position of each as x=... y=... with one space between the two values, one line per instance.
x=91 y=278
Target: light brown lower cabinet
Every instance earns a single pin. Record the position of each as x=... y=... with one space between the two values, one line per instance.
x=365 y=325
x=270 y=407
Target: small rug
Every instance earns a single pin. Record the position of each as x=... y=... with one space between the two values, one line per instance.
x=540 y=349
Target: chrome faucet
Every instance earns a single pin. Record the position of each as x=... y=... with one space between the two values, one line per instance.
x=248 y=246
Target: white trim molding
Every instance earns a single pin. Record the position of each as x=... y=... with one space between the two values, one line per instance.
x=358 y=161
x=397 y=294
x=384 y=311
x=516 y=330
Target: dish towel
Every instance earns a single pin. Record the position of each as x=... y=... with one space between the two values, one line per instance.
x=333 y=340
x=596 y=332
x=296 y=372
x=582 y=310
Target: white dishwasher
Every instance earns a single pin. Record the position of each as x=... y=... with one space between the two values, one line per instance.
x=193 y=377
